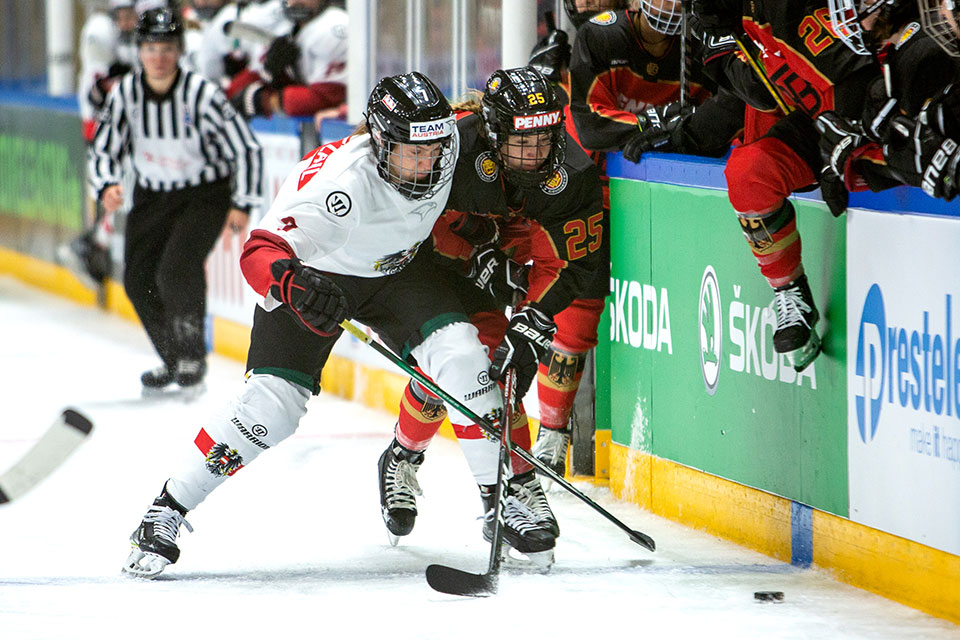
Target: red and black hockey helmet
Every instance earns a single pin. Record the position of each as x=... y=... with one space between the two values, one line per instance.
x=580 y=11
x=520 y=105
x=940 y=19
x=160 y=25
x=409 y=109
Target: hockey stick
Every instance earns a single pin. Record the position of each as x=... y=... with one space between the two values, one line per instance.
x=461 y=583
x=62 y=438
x=763 y=76
x=249 y=32
x=684 y=65
x=637 y=536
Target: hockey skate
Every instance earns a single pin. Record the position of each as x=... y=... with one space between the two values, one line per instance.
x=155 y=380
x=155 y=540
x=522 y=532
x=551 y=449
x=797 y=316
x=399 y=489
x=189 y=376
x=526 y=488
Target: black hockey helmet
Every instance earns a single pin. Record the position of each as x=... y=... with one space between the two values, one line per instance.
x=301 y=13
x=579 y=11
x=160 y=25
x=940 y=19
x=522 y=102
x=847 y=17
x=409 y=109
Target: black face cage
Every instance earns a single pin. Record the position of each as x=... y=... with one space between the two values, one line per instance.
x=498 y=126
x=388 y=153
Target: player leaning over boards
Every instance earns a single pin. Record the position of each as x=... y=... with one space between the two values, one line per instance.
x=522 y=187
x=814 y=72
x=197 y=166
x=341 y=240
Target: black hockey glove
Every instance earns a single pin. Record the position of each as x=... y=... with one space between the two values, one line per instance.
x=924 y=157
x=234 y=63
x=476 y=229
x=280 y=62
x=254 y=100
x=718 y=17
x=551 y=55
x=943 y=112
x=660 y=130
x=309 y=295
x=526 y=341
x=834 y=192
x=118 y=69
x=839 y=138
x=492 y=271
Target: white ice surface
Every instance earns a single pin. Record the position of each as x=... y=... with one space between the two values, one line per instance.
x=294 y=546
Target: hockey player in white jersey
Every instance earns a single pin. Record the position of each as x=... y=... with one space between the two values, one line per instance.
x=347 y=236
x=304 y=69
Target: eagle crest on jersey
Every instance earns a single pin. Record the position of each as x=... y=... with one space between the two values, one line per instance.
x=395 y=262
x=221 y=460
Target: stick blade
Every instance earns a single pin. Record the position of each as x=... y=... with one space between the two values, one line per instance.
x=461 y=583
x=643 y=540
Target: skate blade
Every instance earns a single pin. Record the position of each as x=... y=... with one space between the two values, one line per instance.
x=191 y=393
x=540 y=561
x=144 y=565
x=801 y=358
x=393 y=538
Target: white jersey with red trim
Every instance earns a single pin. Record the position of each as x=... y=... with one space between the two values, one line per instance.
x=338 y=215
x=323 y=47
x=100 y=46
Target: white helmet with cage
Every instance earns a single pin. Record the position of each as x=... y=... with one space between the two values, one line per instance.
x=663 y=16
x=940 y=19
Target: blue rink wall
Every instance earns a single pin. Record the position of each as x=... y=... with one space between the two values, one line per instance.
x=860 y=475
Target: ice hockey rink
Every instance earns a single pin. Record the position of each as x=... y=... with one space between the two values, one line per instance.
x=294 y=545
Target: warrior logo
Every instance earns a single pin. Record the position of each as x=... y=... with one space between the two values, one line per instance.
x=711 y=329
x=395 y=262
x=338 y=204
x=222 y=460
x=555 y=183
x=486 y=167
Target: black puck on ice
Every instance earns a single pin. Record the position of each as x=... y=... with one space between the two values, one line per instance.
x=768 y=596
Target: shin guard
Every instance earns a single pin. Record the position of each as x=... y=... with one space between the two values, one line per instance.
x=421 y=414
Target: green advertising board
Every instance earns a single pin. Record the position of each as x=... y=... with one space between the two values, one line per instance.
x=686 y=357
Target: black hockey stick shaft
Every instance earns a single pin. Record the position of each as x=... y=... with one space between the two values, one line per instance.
x=637 y=536
x=461 y=583
x=684 y=63
x=762 y=75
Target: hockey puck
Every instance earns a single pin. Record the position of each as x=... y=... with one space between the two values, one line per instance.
x=768 y=596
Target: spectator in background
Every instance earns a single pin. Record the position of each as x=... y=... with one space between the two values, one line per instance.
x=196 y=164
x=304 y=69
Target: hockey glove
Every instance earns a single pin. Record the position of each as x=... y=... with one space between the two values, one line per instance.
x=942 y=112
x=719 y=17
x=660 y=130
x=254 y=100
x=118 y=69
x=551 y=55
x=234 y=63
x=924 y=157
x=309 y=295
x=280 y=62
x=839 y=138
x=525 y=343
x=834 y=192
x=492 y=271
x=476 y=229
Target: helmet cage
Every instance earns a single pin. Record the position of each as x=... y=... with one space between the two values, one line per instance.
x=521 y=105
x=299 y=14
x=846 y=16
x=407 y=116
x=940 y=27
x=663 y=20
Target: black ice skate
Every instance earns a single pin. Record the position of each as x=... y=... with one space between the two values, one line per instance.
x=155 y=540
x=399 y=489
x=156 y=379
x=551 y=449
x=797 y=316
x=526 y=488
x=522 y=531
x=190 y=373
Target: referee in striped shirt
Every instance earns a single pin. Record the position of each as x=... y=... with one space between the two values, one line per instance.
x=197 y=166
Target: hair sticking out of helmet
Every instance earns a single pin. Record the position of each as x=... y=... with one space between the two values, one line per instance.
x=663 y=16
x=160 y=25
x=940 y=19
x=580 y=11
x=412 y=134
x=863 y=25
x=523 y=120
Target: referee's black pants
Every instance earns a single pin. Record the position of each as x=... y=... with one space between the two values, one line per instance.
x=168 y=238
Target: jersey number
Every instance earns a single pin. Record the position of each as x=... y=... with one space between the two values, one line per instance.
x=577 y=232
x=817 y=31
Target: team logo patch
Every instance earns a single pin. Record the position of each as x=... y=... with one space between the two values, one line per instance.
x=605 y=18
x=395 y=262
x=536 y=121
x=487 y=167
x=389 y=102
x=338 y=204
x=493 y=85
x=555 y=183
x=221 y=460
x=653 y=68
x=908 y=33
